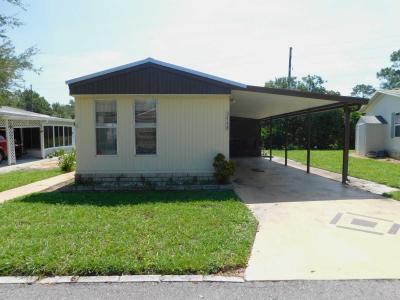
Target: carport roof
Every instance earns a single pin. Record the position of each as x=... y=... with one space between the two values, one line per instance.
x=13 y=113
x=259 y=102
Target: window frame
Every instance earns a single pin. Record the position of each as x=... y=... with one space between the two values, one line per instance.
x=50 y=130
x=67 y=136
x=155 y=126
x=115 y=126
x=395 y=125
x=56 y=136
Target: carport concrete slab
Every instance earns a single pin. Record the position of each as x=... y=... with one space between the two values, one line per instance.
x=311 y=227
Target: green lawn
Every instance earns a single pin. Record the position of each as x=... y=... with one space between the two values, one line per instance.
x=374 y=170
x=18 y=178
x=193 y=232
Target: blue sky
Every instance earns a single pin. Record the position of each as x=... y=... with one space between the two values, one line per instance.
x=346 y=42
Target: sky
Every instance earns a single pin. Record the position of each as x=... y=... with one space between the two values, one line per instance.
x=344 y=41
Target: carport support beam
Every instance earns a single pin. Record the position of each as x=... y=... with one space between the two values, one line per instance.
x=286 y=140
x=10 y=143
x=42 y=154
x=270 y=139
x=308 y=142
x=346 y=144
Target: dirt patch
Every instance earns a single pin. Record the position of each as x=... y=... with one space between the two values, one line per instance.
x=385 y=159
x=236 y=273
x=44 y=165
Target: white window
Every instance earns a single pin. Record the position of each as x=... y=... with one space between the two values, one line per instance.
x=397 y=125
x=106 y=127
x=145 y=112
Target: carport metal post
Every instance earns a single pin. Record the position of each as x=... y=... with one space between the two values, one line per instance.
x=346 y=144
x=270 y=139
x=286 y=139
x=308 y=141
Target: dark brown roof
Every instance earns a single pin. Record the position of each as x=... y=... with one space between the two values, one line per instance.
x=151 y=76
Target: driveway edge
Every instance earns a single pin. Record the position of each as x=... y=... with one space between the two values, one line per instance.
x=117 y=279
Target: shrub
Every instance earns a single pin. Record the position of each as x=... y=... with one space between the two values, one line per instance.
x=224 y=169
x=57 y=153
x=67 y=161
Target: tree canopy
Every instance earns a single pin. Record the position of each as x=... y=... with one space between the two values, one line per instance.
x=363 y=90
x=309 y=83
x=12 y=64
x=390 y=76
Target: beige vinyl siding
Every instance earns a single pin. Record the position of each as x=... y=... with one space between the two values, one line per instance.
x=191 y=130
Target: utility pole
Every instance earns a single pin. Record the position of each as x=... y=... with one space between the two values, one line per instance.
x=31 y=96
x=290 y=68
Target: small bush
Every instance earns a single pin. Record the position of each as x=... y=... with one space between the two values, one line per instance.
x=224 y=169
x=67 y=161
x=57 y=153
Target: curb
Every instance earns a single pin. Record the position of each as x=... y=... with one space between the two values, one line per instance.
x=118 y=279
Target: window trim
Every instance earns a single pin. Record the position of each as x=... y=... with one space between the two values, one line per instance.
x=95 y=127
x=156 y=126
x=395 y=125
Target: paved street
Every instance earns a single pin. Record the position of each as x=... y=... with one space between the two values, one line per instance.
x=287 y=290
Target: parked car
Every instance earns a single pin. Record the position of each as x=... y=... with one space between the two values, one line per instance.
x=4 y=147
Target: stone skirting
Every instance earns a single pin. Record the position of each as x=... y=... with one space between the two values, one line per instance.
x=145 y=181
x=394 y=153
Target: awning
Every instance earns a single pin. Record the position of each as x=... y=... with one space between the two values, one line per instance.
x=12 y=113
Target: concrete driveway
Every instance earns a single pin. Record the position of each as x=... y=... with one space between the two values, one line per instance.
x=311 y=227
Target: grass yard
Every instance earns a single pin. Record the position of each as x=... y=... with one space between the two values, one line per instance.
x=188 y=232
x=365 y=168
x=18 y=178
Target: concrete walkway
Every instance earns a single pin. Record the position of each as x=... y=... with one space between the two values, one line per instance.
x=362 y=184
x=33 y=163
x=311 y=227
x=37 y=186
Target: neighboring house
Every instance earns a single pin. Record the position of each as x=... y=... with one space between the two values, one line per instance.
x=36 y=135
x=155 y=119
x=379 y=128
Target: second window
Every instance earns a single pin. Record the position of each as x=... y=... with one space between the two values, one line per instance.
x=145 y=112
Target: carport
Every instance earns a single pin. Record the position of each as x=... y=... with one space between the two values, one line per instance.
x=38 y=135
x=252 y=105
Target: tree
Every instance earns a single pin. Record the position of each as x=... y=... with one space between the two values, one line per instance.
x=328 y=133
x=64 y=111
x=391 y=75
x=32 y=101
x=12 y=64
x=363 y=90
x=309 y=83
